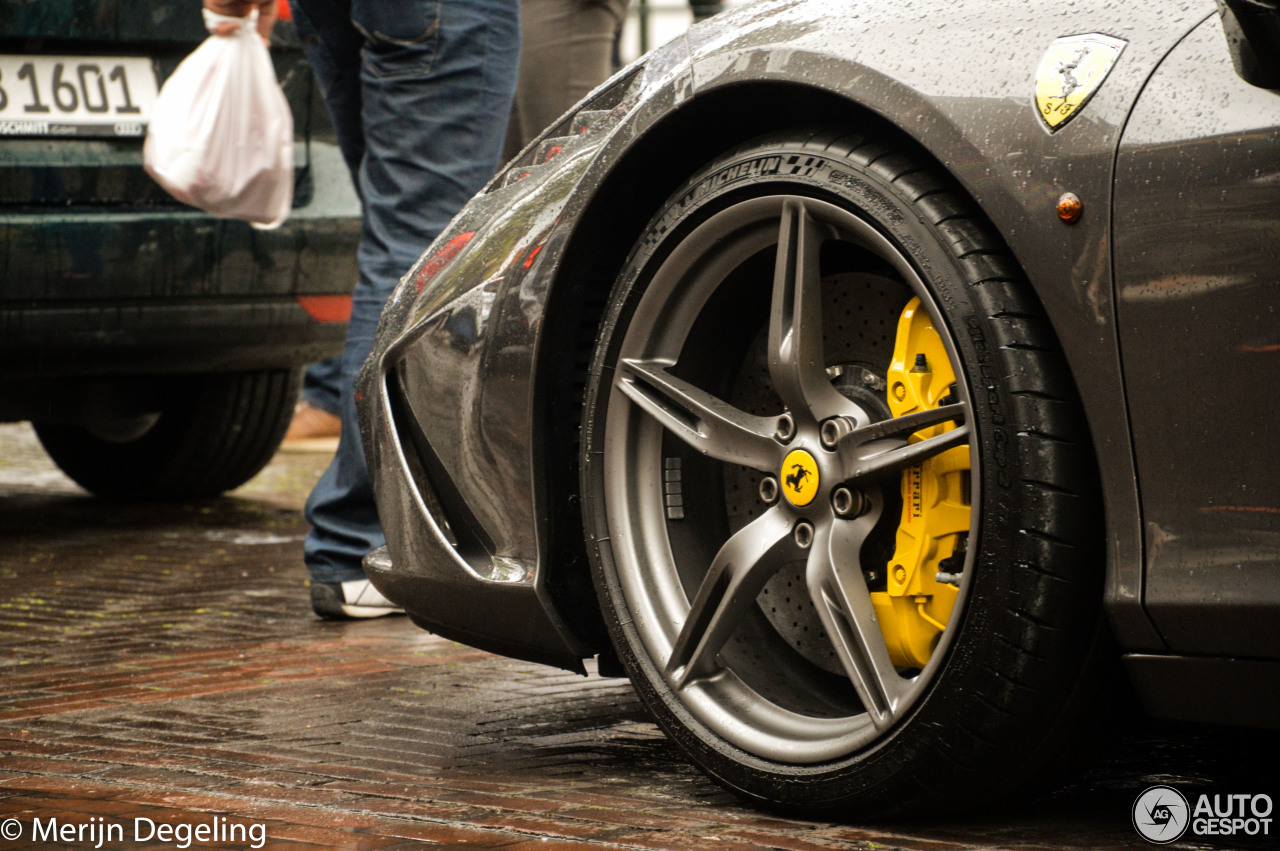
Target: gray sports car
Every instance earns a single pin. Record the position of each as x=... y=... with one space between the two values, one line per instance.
x=864 y=380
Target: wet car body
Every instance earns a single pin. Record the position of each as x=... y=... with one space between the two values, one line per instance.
x=111 y=287
x=1161 y=299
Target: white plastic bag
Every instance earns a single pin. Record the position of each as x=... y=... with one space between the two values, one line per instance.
x=221 y=133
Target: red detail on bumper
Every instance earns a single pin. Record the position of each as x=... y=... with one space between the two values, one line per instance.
x=528 y=261
x=326 y=308
x=441 y=258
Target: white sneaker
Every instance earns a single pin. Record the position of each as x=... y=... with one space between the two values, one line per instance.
x=356 y=598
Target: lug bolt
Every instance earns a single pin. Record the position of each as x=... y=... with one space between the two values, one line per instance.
x=786 y=428
x=804 y=534
x=847 y=502
x=833 y=430
x=769 y=489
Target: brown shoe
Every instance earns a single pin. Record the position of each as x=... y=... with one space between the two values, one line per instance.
x=312 y=430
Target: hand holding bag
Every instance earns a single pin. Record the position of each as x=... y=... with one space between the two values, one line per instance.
x=221 y=135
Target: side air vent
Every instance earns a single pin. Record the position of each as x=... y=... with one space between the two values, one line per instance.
x=431 y=480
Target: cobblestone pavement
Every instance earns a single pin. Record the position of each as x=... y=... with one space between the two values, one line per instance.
x=162 y=663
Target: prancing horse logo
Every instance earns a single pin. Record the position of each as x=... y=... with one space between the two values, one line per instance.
x=1071 y=70
x=801 y=483
x=795 y=481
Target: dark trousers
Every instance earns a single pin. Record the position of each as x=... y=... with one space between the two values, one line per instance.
x=566 y=51
x=419 y=92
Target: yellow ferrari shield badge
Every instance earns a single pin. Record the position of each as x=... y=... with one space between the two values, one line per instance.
x=1071 y=71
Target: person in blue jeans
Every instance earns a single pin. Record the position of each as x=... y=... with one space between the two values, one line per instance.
x=419 y=92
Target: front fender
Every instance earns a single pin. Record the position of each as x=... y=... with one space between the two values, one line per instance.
x=468 y=331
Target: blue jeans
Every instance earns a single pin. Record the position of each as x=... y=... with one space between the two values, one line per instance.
x=419 y=92
x=322 y=385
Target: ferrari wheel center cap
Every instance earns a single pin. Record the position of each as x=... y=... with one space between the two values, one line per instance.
x=799 y=477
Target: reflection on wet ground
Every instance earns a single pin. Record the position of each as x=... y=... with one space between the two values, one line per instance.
x=161 y=662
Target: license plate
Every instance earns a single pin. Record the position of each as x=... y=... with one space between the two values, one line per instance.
x=76 y=95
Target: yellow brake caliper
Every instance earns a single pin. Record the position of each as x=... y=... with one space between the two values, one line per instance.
x=914 y=608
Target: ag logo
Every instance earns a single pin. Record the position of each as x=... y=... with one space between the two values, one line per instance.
x=1071 y=71
x=1161 y=815
x=800 y=477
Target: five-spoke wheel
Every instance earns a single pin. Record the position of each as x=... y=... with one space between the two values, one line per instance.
x=786 y=472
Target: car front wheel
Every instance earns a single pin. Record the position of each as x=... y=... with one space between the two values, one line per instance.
x=838 y=494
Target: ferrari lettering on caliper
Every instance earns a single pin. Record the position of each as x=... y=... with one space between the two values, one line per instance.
x=914 y=608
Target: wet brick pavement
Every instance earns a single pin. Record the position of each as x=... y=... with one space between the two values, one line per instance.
x=161 y=662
